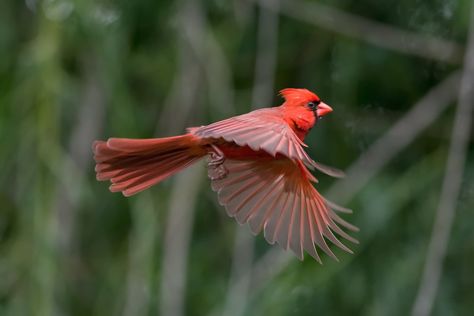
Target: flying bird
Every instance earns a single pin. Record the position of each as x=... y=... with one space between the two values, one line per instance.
x=257 y=165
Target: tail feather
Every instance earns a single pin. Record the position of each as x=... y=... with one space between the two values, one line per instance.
x=133 y=186
x=133 y=165
x=149 y=171
x=135 y=162
x=134 y=145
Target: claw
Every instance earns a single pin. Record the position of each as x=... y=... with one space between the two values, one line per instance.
x=217 y=171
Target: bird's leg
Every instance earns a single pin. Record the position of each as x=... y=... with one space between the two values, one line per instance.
x=216 y=156
x=216 y=169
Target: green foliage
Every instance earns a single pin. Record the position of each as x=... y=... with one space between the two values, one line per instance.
x=73 y=71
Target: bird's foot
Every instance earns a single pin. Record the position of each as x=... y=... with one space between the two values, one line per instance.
x=217 y=172
x=216 y=169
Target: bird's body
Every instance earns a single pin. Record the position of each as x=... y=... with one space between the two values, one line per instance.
x=256 y=164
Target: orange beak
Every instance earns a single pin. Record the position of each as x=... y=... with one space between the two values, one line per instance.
x=323 y=109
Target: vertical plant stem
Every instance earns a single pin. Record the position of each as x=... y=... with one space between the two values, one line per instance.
x=239 y=283
x=433 y=268
x=267 y=48
x=86 y=130
x=178 y=228
x=45 y=226
x=177 y=239
x=140 y=260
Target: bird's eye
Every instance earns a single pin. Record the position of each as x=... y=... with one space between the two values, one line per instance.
x=313 y=105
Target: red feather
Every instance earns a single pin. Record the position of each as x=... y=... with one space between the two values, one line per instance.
x=257 y=165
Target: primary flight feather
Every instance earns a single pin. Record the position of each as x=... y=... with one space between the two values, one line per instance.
x=257 y=165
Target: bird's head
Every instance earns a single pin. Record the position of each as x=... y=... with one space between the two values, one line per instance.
x=304 y=99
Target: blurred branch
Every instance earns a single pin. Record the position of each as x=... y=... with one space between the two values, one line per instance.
x=271 y=264
x=399 y=136
x=172 y=120
x=178 y=226
x=187 y=82
x=140 y=260
x=267 y=47
x=239 y=281
x=88 y=126
x=402 y=133
x=266 y=61
x=210 y=56
x=451 y=185
x=176 y=243
x=242 y=10
x=198 y=51
x=373 y=32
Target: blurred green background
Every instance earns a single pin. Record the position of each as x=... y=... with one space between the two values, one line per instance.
x=72 y=71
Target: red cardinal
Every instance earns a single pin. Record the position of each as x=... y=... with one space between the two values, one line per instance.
x=257 y=166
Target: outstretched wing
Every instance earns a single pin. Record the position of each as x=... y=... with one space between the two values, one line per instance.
x=263 y=129
x=276 y=195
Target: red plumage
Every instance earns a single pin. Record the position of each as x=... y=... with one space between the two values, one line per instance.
x=257 y=166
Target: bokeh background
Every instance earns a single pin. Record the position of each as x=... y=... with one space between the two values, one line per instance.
x=399 y=74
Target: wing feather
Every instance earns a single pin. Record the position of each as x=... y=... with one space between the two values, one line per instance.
x=271 y=222
x=281 y=230
x=276 y=195
x=245 y=199
x=295 y=227
x=246 y=207
x=263 y=129
x=257 y=218
x=320 y=241
x=311 y=239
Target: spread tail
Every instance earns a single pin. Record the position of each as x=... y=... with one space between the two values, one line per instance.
x=133 y=165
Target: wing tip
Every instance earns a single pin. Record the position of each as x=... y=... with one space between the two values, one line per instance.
x=337 y=207
x=330 y=171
